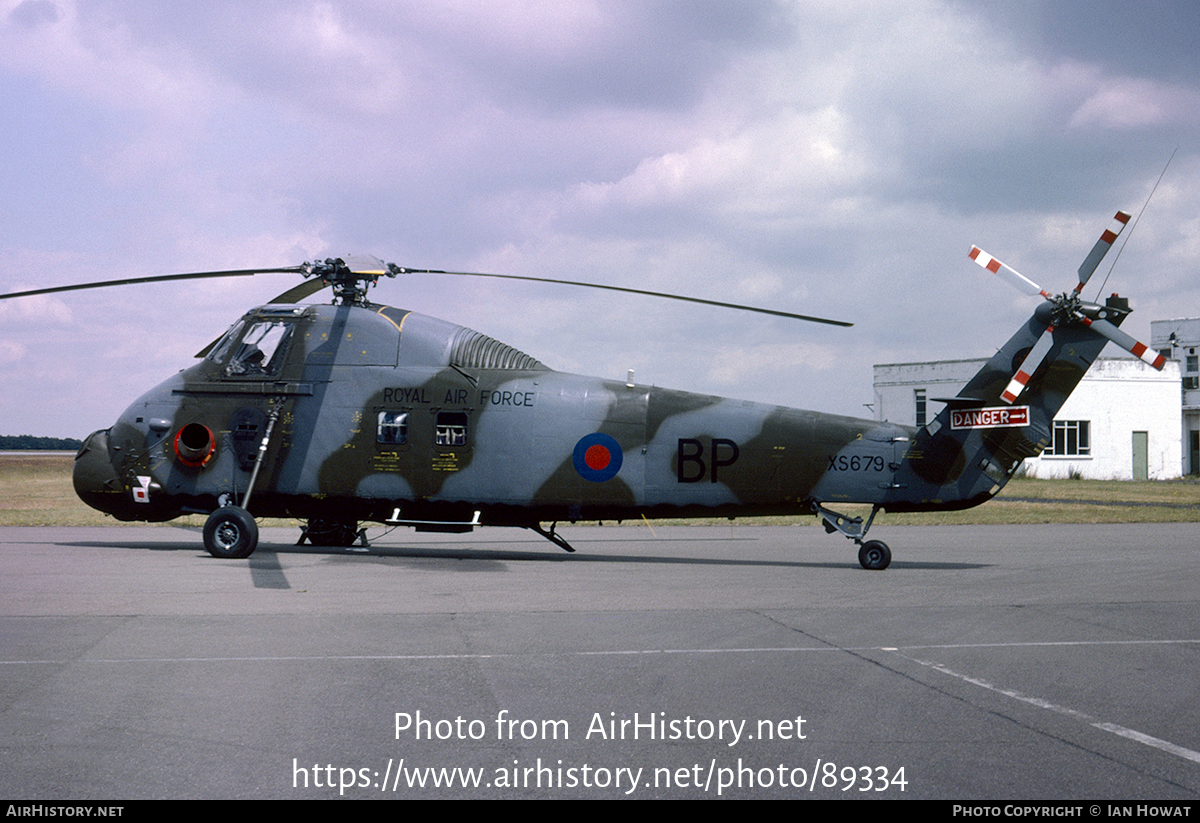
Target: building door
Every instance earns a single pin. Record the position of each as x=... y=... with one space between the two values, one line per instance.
x=1141 y=456
x=1194 y=452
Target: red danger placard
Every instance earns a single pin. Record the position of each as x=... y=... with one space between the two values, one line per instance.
x=990 y=418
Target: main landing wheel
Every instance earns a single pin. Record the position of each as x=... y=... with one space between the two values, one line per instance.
x=230 y=533
x=874 y=555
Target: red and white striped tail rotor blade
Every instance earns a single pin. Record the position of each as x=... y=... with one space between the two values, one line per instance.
x=1028 y=366
x=1101 y=248
x=1139 y=350
x=1007 y=272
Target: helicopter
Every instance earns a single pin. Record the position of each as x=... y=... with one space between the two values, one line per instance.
x=352 y=412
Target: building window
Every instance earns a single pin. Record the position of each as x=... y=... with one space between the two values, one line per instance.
x=919 y=399
x=1071 y=439
x=393 y=428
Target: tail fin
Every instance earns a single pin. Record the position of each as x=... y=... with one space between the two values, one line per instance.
x=975 y=444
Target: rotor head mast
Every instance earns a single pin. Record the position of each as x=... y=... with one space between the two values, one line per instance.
x=350 y=280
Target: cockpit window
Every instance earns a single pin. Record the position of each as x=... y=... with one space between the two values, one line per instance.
x=262 y=350
x=221 y=350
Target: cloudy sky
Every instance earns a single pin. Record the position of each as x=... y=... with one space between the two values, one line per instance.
x=829 y=158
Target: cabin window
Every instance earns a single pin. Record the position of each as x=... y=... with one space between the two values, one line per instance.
x=1072 y=438
x=451 y=429
x=262 y=350
x=393 y=428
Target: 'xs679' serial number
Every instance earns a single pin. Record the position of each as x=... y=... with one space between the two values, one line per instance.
x=855 y=463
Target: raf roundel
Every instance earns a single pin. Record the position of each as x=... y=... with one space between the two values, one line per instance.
x=597 y=457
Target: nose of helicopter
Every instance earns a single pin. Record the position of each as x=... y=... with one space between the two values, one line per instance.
x=94 y=477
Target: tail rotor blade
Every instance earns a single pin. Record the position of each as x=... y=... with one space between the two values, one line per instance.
x=1101 y=248
x=1028 y=366
x=1066 y=308
x=1139 y=350
x=1007 y=272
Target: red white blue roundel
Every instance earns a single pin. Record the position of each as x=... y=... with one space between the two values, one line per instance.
x=597 y=457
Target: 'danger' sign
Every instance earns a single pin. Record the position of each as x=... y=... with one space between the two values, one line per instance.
x=990 y=418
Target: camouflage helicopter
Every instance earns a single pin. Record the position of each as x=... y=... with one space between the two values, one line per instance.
x=354 y=412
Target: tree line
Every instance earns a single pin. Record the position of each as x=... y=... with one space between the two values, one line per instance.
x=27 y=442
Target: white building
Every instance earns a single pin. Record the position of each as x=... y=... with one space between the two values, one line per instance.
x=1179 y=340
x=1122 y=422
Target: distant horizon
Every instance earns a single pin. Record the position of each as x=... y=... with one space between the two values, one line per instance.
x=31 y=442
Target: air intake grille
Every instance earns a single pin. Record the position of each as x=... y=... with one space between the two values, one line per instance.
x=472 y=350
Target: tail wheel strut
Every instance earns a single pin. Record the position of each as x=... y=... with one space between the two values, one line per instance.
x=872 y=554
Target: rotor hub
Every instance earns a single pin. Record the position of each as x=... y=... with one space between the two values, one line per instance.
x=350 y=280
x=1066 y=307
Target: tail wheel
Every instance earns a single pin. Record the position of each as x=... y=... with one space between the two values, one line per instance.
x=874 y=555
x=230 y=533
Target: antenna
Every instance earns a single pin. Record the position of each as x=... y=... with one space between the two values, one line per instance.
x=1134 y=226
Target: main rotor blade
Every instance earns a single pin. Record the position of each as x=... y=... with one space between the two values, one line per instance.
x=700 y=300
x=1028 y=366
x=1010 y=274
x=372 y=266
x=1139 y=350
x=298 y=292
x=154 y=279
x=1101 y=248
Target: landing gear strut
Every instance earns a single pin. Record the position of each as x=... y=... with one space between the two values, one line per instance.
x=230 y=532
x=873 y=554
